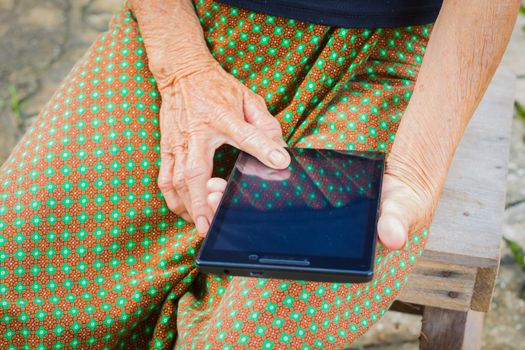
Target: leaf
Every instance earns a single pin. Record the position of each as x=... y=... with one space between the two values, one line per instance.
x=522 y=11
x=15 y=103
x=520 y=110
x=517 y=253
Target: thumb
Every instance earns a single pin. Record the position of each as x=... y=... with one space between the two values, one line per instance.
x=392 y=227
x=257 y=114
x=400 y=211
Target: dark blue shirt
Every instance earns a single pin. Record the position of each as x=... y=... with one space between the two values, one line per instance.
x=348 y=13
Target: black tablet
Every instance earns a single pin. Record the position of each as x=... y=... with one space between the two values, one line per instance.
x=315 y=220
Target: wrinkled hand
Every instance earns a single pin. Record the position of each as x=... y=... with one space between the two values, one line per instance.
x=402 y=210
x=409 y=197
x=199 y=113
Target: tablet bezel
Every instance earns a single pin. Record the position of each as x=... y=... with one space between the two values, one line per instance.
x=346 y=269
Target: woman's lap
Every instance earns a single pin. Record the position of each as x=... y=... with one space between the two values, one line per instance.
x=91 y=256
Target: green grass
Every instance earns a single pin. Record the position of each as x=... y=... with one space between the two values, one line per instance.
x=15 y=103
x=517 y=253
x=520 y=110
x=519 y=257
x=522 y=11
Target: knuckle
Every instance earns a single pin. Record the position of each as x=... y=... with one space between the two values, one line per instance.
x=178 y=183
x=199 y=122
x=222 y=115
x=259 y=99
x=164 y=184
x=179 y=147
x=275 y=123
x=272 y=124
x=245 y=139
x=171 y=148
x=165 y=146
x=193 y=172
x=198 y=133
x=174 y=207
x=185 y=216
x=198 y=206
x=392 y=208
x=249 y=136
x=253 y=140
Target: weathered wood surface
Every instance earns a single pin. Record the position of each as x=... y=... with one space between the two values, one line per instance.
x=442 y=329
x=473 y=330
x=441 y=285
x=458 y=268
x=450 y=329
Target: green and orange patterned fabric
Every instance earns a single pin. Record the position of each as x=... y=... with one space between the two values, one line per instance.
x=90 y=255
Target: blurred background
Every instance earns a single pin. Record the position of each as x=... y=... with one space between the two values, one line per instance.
x=40 y=40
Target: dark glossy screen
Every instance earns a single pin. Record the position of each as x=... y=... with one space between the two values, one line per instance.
x=323 y=207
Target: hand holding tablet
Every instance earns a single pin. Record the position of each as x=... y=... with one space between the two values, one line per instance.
x=315 y=220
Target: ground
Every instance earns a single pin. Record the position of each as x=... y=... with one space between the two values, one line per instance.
x=40 y=40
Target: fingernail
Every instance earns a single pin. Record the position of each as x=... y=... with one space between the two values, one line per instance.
x=202 y=224
x=277 y=157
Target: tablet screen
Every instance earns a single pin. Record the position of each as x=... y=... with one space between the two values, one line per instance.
x=323 y=207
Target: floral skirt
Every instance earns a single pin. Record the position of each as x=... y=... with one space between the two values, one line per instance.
x=90 y=255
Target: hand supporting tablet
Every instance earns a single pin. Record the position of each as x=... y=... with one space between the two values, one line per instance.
x=314 y=220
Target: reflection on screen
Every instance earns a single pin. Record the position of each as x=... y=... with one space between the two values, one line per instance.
x=323 y=204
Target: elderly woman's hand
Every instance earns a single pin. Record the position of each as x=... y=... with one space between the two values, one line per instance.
x=203 y=107
x=408 y=201
x=199 y=113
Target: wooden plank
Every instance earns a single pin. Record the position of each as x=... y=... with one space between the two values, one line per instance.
x=473 y=331
x=442 y=329
x=483 y=289
x=406 y=308
x=467 y=227
x=440 y=285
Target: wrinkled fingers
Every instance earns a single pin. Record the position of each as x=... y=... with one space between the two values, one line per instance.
x=179 y=182
x=255 y=142
x=199 y=165
x=165 y=183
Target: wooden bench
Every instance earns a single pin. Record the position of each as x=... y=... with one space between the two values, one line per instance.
x=453 y=281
